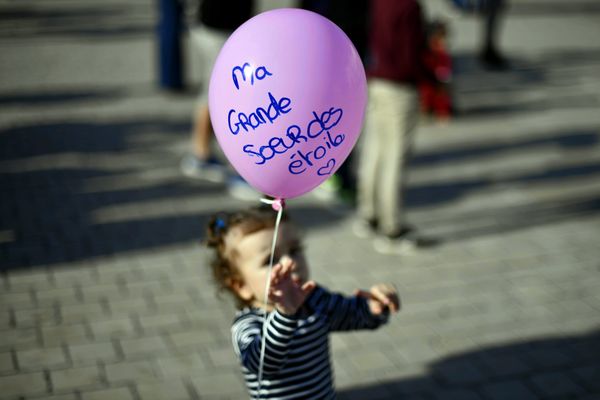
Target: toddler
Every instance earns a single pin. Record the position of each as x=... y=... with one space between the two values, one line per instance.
x=435 y=94
x=299 y=313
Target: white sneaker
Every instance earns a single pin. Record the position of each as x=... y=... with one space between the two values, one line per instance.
x=210 y=170
x=399 y=246
x=364 y=229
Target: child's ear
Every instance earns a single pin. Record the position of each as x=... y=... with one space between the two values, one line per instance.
x=241 y=289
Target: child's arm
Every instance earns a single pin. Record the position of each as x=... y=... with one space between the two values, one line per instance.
x=365 y=310
x=247 y=333
x=287 y=295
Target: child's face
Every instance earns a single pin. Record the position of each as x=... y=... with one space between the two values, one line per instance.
x=251 y=254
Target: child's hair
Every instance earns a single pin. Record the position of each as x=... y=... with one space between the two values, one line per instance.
x=219 y=225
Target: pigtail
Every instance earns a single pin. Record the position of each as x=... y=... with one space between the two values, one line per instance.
x=216 y=230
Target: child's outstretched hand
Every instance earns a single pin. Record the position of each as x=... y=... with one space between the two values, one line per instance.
x=381 y=297
x=287 y=292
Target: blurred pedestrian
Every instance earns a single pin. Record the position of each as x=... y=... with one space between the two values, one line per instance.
x=216 y=20
x=397 y=44
x=353 y=18
x=435 y=93
x=490 y=12
x=169 y=44
x=490 y=54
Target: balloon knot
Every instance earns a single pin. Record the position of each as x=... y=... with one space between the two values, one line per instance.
x=277 y=204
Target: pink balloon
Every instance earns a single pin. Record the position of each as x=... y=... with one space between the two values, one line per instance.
x=287 y=98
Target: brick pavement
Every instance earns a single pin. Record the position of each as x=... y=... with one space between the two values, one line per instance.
x=103 y=291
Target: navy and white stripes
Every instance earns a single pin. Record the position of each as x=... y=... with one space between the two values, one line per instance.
x=296 y=361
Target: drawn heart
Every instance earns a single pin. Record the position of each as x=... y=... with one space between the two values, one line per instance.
x=326 y=170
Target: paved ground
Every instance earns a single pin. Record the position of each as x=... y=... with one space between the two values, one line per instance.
x=104 y=292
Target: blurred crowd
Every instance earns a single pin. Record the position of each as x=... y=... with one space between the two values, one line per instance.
x=409 y=68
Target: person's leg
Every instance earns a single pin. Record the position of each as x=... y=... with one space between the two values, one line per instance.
x=202 y=133
x=200 y=163
x=490 y=54
x=400 y=122
x=369 y=156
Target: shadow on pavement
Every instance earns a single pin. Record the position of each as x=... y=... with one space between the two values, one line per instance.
x=111 y=21
x=570 y=140
x=58 y=98
x=76 y=190
x=556 y=7
x=548 y=81
x=556 y=368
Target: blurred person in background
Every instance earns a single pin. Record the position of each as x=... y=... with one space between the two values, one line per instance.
x=490 y=55
x=435 y=94
x=353 y=18
x=216 y=21
x=395 y=68
x=490 y=12
x=170 y=60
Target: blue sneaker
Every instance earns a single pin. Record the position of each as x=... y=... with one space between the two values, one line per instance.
x=211 y=169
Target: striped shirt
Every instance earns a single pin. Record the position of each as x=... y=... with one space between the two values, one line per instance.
x=297 y=364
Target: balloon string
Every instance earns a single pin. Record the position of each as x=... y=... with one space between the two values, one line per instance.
x=277 y=205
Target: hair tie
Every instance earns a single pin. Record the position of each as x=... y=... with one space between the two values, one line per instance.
x=220 y=224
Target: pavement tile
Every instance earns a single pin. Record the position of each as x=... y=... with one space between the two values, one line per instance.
x=183 y=366
x=81 y=312
x=149 y=346
x=220 y=384
x=75 y=378
x=508 y=390
x=58 y=397
x=36 y=316
x=91 y=353
x=588 y=376
x=456 y=394
x=459 y=372
x=24 y=384
x=42 y=358
x=16 y=300
x=556 y=384
x=109 y=328
x=223 y=358
x=134 y=371
x=160 y=322
x=62 y=295
x=122 y=393
x=19 y=338
x=63 y=334
x=172 y=390
x=135 y=305
x=6 y=363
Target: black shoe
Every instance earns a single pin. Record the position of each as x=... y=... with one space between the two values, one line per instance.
x=365 y=228
x=492 y=60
